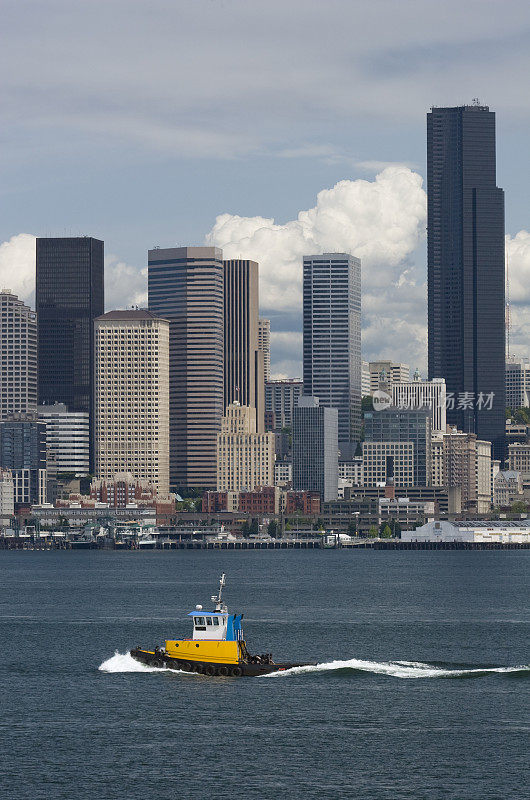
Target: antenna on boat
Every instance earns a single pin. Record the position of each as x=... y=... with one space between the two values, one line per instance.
x=219 y=606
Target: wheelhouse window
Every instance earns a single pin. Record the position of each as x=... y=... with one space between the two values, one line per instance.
x=215 y=620
x=208 y=620
x=200 y=623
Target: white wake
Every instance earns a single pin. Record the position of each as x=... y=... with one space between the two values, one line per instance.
x=124 y=662
x=396 y=669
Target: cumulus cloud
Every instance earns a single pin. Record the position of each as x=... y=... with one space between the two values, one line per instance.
x=125 y=285
x=518 y=261
x=380 y=221
x=17 y=266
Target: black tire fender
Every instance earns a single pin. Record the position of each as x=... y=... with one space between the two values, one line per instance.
x=186 y=666
x=198 y=668
x=236 y=672
x=223 y=671
x=210 y=670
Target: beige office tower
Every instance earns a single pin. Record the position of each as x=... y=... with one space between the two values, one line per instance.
x=265 y=346
x=245 y=458
x=385 y=373
x=18 y=356
x=467 y=466
x=243 y=360
x=132 y=396
x=186 y=286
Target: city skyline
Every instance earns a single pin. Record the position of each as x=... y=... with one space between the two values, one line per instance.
x=213 y=135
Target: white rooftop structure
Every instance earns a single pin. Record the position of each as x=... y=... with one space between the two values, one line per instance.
x=502 y=531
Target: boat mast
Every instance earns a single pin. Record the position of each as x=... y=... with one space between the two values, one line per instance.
x=219 y=605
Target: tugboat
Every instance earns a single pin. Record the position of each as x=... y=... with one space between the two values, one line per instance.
x=217 y=647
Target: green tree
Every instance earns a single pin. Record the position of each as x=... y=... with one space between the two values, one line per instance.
x=519 y=415
x=272 y=529
x=352 y=528
x=367 y=403
x=519 y=507
x=254 y=527
x=372 y=532
x=386 y=533
x=245 y=528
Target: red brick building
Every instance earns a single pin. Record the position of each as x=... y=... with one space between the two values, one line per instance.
x=303 y=502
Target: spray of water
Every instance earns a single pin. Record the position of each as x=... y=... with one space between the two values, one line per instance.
x=396 y=669
x=124 y=662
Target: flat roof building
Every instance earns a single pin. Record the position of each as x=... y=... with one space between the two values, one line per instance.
x=243 y=358
x=281 y=398
x=132 y=396
x=332 y=339
x=67 y=439
x=398 y=445
x=69 y=296
x=18 y=356
x=264 y=343
x=23 y=452
x=186 y=286
x=315 y=448
x=245 y=457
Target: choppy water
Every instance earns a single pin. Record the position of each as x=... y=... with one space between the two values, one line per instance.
x=420 y=688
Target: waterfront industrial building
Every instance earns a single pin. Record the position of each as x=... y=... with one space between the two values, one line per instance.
x=483 y=532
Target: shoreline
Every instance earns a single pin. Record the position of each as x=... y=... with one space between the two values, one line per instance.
x=18 y=543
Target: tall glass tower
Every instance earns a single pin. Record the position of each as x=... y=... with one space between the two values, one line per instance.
x=466 y=277
x=186 y=287
x=243 y=357
x=332 y=339
x=69 y=296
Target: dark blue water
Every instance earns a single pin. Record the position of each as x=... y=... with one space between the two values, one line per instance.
x=368 y=728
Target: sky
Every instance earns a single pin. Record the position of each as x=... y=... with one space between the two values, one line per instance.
x=271 y=129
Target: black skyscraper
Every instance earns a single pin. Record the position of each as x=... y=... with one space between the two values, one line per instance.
x=466 y=269
x=69 y=296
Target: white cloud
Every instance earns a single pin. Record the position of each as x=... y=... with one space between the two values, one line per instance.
x=17 y=266
x=124 y=285
x=381 y=221
x=518 y=261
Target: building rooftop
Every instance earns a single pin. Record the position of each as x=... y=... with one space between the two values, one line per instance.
x=130 y=313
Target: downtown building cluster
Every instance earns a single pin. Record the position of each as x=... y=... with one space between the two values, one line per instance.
x=175 y=400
